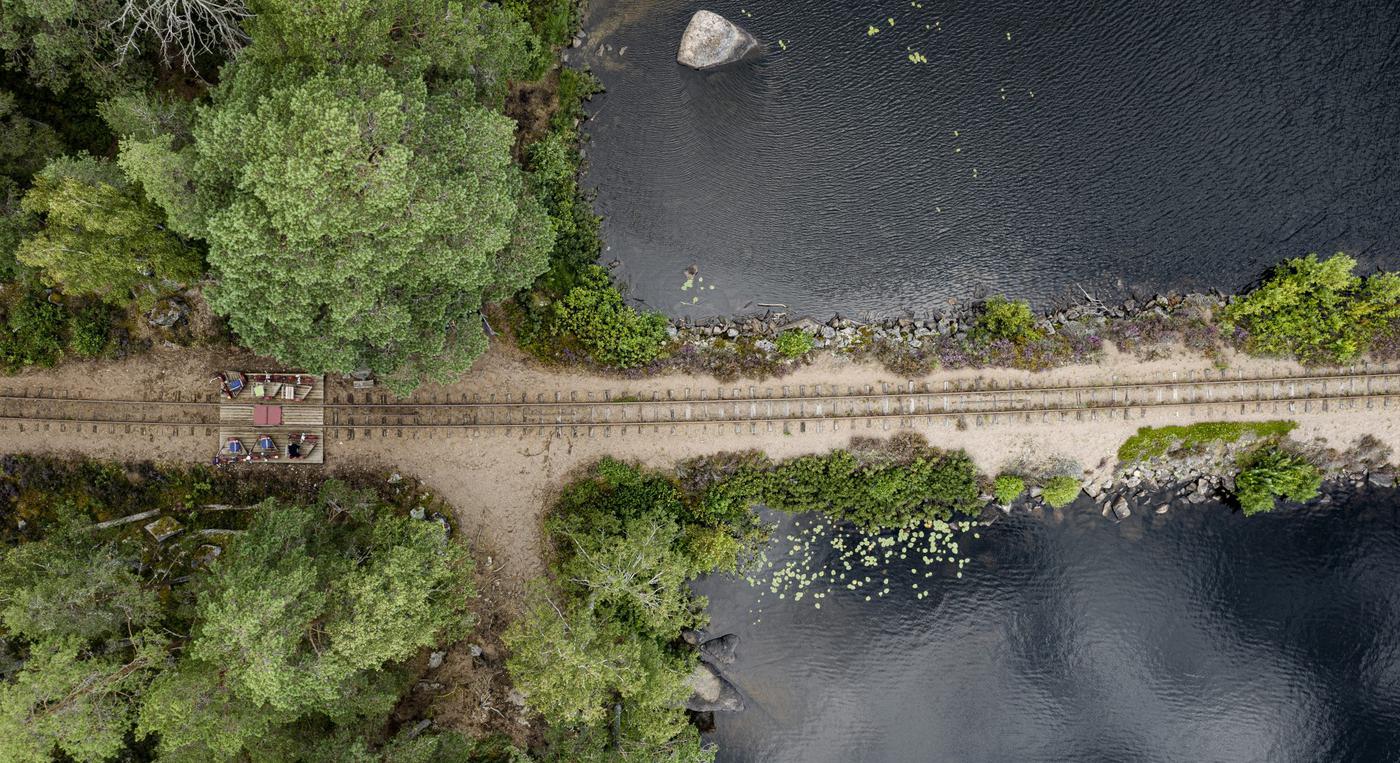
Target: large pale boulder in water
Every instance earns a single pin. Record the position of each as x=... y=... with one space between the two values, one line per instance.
x=712 y=40
x=711 y=692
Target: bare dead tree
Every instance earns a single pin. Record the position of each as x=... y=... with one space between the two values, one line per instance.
x=184 y=29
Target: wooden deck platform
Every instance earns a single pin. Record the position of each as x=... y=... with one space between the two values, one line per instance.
x=300 y=409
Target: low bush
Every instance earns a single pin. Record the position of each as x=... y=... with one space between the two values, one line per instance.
x=1153 y=442
x=553 y=162
x=89 y=329
x=1007 y=488
x=32 y=334
x=1271 y=473
x=793 y=344
x=552 y=20
x=593 y=319
x=1060 y=491
x=1150 y=336
x=1009 y=320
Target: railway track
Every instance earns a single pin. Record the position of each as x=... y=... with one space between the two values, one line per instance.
x=770 y=408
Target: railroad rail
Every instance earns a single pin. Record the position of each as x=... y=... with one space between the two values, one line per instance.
x=353 y=413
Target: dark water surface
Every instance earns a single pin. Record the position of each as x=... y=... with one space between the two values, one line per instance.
x=1189 y=143
x=1192 y=636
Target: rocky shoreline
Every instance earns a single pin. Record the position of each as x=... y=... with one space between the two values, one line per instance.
x=747 y=347
x=1208 y=474
x=1081 y=319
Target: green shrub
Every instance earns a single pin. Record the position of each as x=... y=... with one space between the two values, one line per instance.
x=1271 y=473
x=553 y=164
x=32 y=334
x=1318 y=311
x=1060 y=491
x=594 y=318
x=874 y=491
x=793 y=343
x=1152 y=442
x=1006 y=319
x=553 y=21
x=575 y=87
x=1007 y=488
x=88 y=330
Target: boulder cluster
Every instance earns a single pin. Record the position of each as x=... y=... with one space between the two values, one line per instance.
x=1078 y=320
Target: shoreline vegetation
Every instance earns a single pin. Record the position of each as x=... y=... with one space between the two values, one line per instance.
x=142 y=575
x=609 y=634
x=1315 y=311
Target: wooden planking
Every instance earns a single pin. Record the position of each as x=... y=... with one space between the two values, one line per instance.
x=236 y=414
x=299 y=416
x=304 y=416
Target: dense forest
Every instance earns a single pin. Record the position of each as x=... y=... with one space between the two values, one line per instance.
x=183 y=613
x=340 y=186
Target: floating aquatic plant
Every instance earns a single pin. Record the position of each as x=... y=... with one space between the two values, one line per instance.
x=823 y=557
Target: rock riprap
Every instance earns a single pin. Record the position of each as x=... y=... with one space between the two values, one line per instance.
x=712 y=40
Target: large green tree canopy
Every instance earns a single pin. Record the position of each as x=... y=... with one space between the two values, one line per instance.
x=359 y=204
x=100 y=236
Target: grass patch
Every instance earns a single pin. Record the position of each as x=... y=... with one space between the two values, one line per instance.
x=1151 y=442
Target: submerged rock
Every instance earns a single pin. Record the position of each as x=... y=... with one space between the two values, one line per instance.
x=720 y=651
x=1120 y=508
x=711 y=692
x=705 y=684
x=711 y=40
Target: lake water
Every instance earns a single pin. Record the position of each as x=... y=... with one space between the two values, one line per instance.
x=1042 y=147
x=1197 y=635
